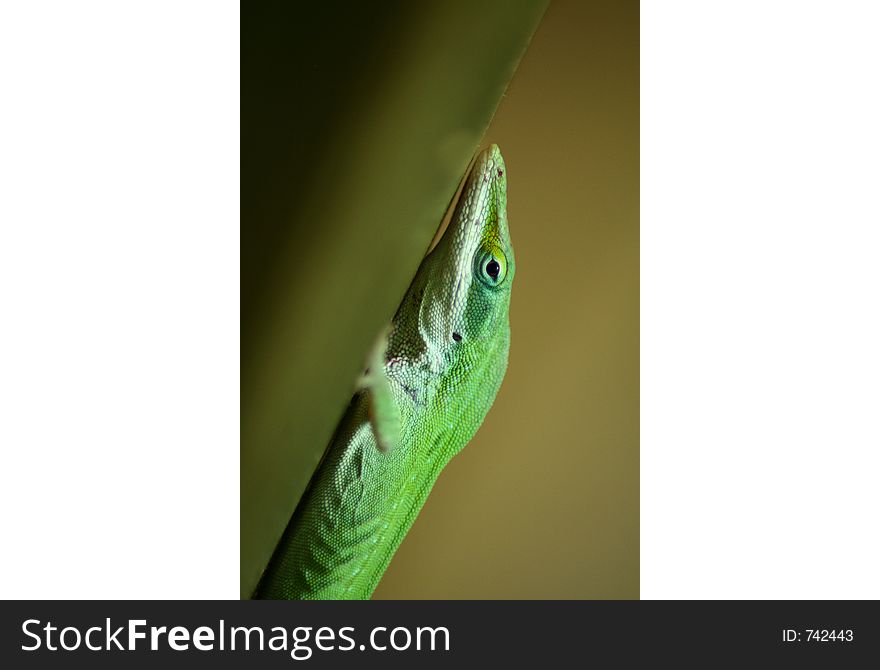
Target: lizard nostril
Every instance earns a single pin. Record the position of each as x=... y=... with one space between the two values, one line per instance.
x=456 y=337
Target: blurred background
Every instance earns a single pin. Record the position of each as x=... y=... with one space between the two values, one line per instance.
x=357 y=125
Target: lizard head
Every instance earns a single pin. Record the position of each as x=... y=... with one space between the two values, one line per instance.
x=461 y=293
x=475 y=263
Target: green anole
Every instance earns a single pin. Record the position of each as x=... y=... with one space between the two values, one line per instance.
x=430 y=381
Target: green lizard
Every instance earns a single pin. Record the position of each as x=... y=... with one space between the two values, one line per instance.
x=430 y=382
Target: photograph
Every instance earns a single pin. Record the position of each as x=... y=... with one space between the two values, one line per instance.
x=440 y=307
x=450 y=333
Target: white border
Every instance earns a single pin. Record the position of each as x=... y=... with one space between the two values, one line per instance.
x=119 y=295
x=760 y=278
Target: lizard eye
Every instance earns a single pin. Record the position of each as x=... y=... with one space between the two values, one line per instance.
x=491 y=267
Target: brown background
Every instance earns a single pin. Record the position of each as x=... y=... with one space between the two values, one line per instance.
x=544 y=502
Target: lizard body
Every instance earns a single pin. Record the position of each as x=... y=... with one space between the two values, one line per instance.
x=431 y=380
